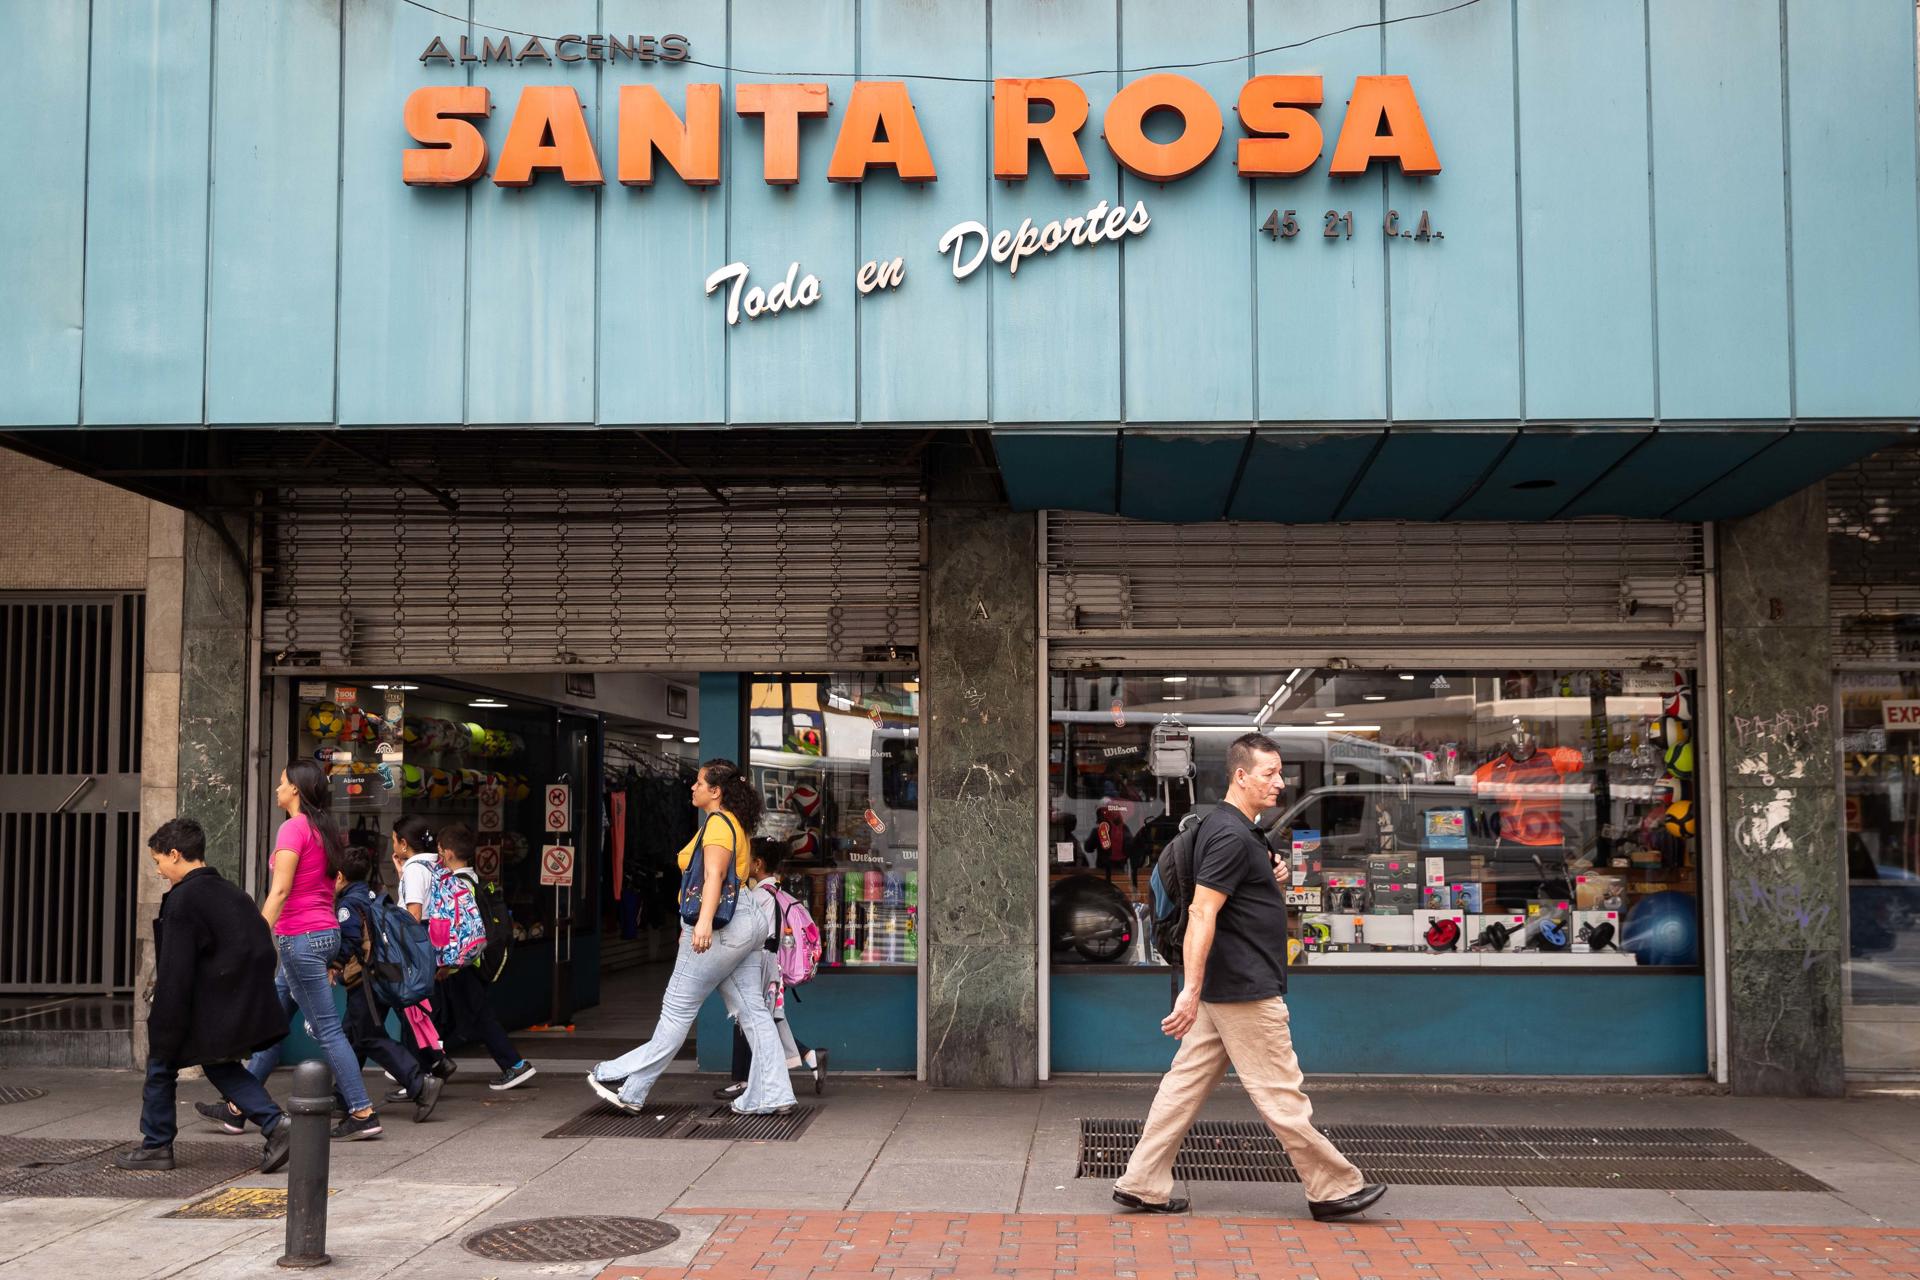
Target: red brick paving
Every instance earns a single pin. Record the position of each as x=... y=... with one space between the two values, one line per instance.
x=772 y=1245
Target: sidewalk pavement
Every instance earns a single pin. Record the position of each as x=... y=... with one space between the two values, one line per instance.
x=897 y=1180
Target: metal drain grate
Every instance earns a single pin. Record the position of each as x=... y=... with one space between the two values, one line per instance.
x=1466 y=1155
x=687 y=1120
x=60 y=1168
x=19 y=1093
x=237 y=1203
x=571 y=1239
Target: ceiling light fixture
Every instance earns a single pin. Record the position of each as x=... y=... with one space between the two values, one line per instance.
x=1406 y=675
x=1373 y=697
x=664 y=737
x=1173 y=679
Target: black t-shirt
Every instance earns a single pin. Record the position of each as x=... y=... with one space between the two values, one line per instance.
x=1249 y=956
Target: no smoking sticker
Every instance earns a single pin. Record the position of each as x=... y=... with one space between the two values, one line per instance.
x=556 y=865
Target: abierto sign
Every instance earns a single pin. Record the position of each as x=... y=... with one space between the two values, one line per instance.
x=1901 y=714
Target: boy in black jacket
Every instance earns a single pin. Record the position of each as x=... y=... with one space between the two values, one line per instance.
x=366 y=1020
x=213 y=998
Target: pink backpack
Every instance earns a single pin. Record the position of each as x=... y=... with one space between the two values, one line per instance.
x=796 y=940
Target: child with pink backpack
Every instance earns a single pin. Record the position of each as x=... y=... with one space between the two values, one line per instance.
x=792 y=957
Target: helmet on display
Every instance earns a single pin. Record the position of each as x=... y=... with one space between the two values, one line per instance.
x=432 y=737
x=515 y=744
x=410 y=732
x=1680 y=822
x=413 y=780
x=1443 y=934
x=497 y=744
x=1680 y=704
x=471 y=780
x=805 y=800
x=518 y=788
x=439 y=784
x=324 y=721
x=476 y=736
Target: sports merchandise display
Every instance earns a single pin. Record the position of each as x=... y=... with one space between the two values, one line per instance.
x=1663 y=928
x=325 y=721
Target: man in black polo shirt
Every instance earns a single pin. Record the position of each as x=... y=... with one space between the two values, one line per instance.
x=1232 y=1009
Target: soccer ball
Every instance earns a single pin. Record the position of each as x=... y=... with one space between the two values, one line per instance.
x=518 y=788
x=410 y=732
x=325 y=720
x=413 y=780
x=1680 y=821
x=439 y=784
x=805 y=801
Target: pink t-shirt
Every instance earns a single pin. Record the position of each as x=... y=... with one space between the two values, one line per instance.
x=309 y=905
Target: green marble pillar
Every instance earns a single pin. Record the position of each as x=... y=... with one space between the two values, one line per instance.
x=1784 y=865
x=213 y=695
x=981 y=771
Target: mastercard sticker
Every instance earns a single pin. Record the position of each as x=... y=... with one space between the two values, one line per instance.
x=878 y=827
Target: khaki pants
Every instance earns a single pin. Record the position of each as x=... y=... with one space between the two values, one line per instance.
x=1255 y=1038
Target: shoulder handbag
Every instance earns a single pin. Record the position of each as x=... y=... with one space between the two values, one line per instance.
x=693 y=880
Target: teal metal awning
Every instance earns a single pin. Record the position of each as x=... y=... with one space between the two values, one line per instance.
x=1302 y=476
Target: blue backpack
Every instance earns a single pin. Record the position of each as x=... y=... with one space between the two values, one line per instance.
x=400 y=955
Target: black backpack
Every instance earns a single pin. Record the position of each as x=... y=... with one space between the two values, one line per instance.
x=492 y=905
x=1172 y=882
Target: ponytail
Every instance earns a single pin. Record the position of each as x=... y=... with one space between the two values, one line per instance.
x=737 y=795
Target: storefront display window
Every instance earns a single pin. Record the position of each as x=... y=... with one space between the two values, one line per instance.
x=837 y=761
x=396 y=747
x=1880 y=775
x=1428 y=817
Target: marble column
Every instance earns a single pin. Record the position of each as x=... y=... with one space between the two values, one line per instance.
x=160 y=735
x=981 y=769
x=1785 y=871
x=214 y=695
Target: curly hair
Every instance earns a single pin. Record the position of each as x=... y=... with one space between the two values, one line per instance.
x=737 y=795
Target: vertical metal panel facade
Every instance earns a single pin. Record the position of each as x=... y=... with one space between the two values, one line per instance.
x=1654 y=212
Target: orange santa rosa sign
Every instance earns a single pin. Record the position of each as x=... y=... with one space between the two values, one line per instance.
x=880 y=129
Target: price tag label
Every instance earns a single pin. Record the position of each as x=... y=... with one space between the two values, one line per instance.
x=559 y=798
x=556 y=865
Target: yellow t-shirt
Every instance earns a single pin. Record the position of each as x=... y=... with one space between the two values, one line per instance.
x=723 y=829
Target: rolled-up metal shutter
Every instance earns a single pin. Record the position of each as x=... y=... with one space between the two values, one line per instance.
x=777 y=578
x=1873 y=557
x=1116 y=585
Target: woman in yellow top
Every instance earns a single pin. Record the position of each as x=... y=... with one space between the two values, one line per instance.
x=713 y=957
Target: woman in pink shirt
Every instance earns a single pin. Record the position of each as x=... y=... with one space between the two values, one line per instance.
x=306 y=933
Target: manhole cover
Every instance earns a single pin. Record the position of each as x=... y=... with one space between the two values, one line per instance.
x=1466 y=1156
x=687 y=1120
x=19 y=1093
x=571 y=1239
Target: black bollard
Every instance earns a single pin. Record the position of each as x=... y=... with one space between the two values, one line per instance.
x=310 y=1112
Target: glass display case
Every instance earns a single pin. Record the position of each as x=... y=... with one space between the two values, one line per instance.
x=837 y=761
x=1428 y=817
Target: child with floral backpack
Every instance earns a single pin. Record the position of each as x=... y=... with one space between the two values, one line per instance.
x=455 y=927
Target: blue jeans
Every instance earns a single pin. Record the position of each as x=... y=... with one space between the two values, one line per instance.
x=301 y=983
x=731 y=966
x=158 y=1123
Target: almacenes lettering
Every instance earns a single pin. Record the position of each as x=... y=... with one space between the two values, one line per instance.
x=880 y=127
x=568 y=48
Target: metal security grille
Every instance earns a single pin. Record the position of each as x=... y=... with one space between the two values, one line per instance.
x=70 y=689
x=688 y=1120
x=1111 y=578
x=1467 y=1156
x=1873 y=556
x=777 y=578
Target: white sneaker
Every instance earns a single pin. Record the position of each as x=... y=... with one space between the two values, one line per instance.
x=610 y=1097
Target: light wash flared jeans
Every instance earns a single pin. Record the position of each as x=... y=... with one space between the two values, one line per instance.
x=731 y=966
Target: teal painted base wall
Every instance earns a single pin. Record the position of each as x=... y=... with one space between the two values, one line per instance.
x=1573 y=1024
x=865 y=1021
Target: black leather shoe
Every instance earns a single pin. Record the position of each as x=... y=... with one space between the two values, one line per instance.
x=145 y=1158
x=1358 y=1202
x=1177 y=1204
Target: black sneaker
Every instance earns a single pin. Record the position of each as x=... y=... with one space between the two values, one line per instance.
x=229 y=1120
x=819 y=1072
x=730 y=1092
x=352 y=1130
x=273 y=1156
x=445 y=1067
x=154 y=1158
x=401 y=1095
x=429 y=1095
x=512 y=1077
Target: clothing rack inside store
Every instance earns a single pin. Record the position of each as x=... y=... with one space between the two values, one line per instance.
x=625 y=753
